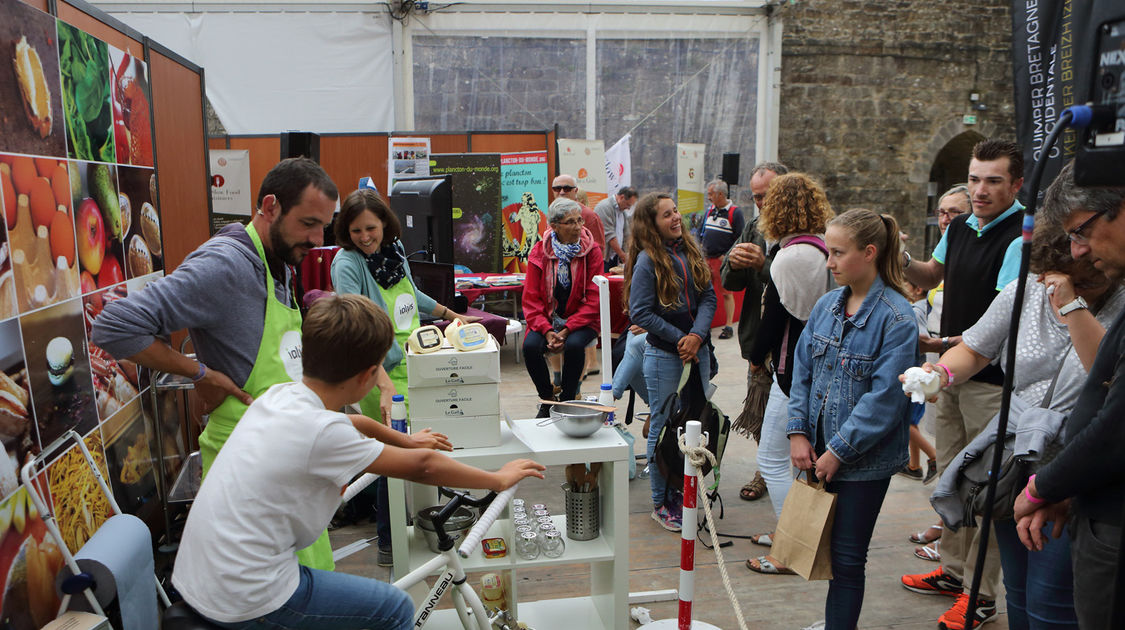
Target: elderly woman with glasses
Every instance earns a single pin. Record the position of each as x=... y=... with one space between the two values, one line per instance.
x=560 y=300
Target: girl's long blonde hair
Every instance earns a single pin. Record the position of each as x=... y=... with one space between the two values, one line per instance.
x=646 y=238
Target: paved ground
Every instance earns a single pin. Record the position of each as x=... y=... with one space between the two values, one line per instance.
x=767 y=601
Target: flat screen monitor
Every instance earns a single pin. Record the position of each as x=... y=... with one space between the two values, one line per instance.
x=424 y=207
x=434 y=279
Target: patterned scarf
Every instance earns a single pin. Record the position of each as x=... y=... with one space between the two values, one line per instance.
x=564 y=253
x=386 y=266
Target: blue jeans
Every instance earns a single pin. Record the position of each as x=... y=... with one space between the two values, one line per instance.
x=325 y=600
x=1039 y=584
x=857 y=507
x=630 y=372
x=574 y=359
x=662 y=376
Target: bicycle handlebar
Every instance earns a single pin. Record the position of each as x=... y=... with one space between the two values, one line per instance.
x=487 y=518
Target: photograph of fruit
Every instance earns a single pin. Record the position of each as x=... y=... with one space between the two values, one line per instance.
x=80 y=505
x=132 y=127
x=8 y=306
x=140 y=222
x=115 y=382
x=128 y=450
x=16 y=434
x=84 y=67
x=58 y=369
x=29 y=560
x=30 y=93
x=37 y=212
x=99 y=225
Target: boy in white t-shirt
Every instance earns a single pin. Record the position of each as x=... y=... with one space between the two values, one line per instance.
x=277 y=482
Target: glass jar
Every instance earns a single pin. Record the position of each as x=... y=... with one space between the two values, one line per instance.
x=544 y=519
x=520 y=520
x=551 y=543
x=527 y=545
x=541 y=513
x=517 y=503
x=545 y=526
x=538 y=506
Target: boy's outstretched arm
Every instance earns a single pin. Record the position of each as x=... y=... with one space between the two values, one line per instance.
x=436 y=469
x=425 y=438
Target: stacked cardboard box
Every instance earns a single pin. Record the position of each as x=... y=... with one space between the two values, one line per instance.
x=457 y=393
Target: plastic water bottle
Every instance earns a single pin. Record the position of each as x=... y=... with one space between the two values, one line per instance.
x=398 y=413
x=606 y=398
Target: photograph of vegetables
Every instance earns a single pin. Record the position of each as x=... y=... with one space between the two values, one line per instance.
x=58 y=369
x=37 y=210
x=30 y=93
x=29 y=560
x=84 y=67
x=115 y=382
x=132 y=127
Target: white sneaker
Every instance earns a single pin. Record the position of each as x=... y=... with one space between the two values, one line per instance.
x=816 y=626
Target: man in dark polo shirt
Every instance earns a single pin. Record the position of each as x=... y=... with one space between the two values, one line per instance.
x=977 y=256
x=1085 y=479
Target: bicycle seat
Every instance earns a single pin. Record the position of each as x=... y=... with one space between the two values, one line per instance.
x=180 y=616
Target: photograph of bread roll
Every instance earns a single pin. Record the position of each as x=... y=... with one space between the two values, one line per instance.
x=30 y=83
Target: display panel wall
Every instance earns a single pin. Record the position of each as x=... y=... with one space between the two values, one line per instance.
x=82 y=227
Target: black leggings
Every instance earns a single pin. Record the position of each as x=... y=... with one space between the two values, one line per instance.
x=574 y=359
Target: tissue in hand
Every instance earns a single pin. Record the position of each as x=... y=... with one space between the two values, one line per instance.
x=920 y=384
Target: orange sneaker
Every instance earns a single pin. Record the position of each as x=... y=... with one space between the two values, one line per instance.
x=954 y=618
x=937 y=582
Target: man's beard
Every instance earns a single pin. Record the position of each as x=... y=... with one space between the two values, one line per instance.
x=285 y=252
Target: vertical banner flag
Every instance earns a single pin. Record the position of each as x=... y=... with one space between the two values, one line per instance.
x=618 y=166
x=690 y=182
x=585 y=160
x=523 y=191
x=230 y=184
x=407 y=157
x=1053 y=46
x=476 y=207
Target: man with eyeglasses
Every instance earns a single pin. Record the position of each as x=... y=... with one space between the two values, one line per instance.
x=1085 y=481
x=978 y=255
x=746 y=267
x=566 y=186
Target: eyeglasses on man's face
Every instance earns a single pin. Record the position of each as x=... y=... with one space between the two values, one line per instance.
x=569 y=222
x=563 y=188
x=1076 y=235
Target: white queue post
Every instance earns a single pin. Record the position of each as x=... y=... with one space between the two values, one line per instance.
x=602 y=283
x=693 y=436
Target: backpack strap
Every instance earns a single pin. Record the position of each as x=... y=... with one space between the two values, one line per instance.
x=809 y=239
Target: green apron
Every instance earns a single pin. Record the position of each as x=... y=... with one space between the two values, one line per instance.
x=278 y=361
x=402 y=308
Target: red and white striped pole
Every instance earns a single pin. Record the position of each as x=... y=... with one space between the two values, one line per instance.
x=692 y=434
x=693 y=437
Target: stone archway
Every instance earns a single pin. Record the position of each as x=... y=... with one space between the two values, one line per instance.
x=943 y=163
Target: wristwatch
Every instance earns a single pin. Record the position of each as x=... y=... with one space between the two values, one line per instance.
x=1073 y=305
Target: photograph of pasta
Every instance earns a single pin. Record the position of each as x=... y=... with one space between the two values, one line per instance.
x=80 y=505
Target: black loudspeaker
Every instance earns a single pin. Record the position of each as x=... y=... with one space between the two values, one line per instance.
x=298 y=143
x=730 y=169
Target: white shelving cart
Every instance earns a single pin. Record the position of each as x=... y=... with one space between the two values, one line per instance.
x=608 y=555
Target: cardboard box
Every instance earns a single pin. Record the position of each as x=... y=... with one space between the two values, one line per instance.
x=450 y=366
x=79 y=621
x=455 y=401
x=463 y=432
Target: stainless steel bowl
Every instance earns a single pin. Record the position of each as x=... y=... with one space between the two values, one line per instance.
x=577 y=421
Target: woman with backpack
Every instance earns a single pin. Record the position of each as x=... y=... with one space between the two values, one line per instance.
x=669 y=293
x=848 y=420
x=793 y=218
x=1067 y=306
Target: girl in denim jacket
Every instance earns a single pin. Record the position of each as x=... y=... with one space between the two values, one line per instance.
x=669 y=293
x=847 y=415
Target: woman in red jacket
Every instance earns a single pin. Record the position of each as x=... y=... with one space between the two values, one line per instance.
x=560 y=300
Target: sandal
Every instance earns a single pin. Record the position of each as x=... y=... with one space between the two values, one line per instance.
x=765 y=565
x=930 y=552
x=921 y=538
x=754 y=490
x=765 y=540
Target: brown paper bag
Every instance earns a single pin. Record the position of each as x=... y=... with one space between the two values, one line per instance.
x=804 y=531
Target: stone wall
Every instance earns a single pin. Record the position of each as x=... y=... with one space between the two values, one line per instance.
x=872 y=91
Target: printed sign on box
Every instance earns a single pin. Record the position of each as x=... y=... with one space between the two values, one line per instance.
x=449 y=366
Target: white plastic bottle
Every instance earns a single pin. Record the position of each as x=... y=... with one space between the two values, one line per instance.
x=398 y=413
x=606 y=398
